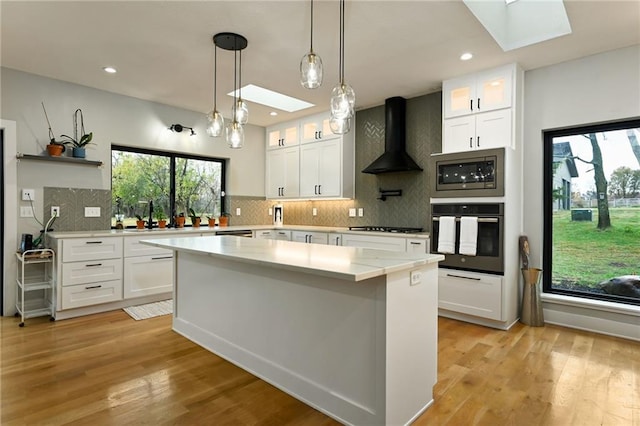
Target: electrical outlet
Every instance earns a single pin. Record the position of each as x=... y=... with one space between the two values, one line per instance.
x=55 y=211
x=360 y=212
x=28 y=194
x=352 y=212
x=314 y=211
x=92 y=212
x=26 y=211
x=238 y=211
x=416 y=277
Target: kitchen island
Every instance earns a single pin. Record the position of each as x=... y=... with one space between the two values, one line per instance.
x=350 y=331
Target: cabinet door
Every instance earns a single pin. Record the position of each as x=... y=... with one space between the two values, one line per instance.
x=320 y=169
x=310 y=237
x=300 y=236
x=470 y=293
x=282 y=235
x=283 y=136
x=416 y=245
x=263 y=235
x=315 y=128
x=494 y=89
x=309 y=168
x=459 y=95
x=458 y=134
x=493 y=129
x=282 y=173
x=145 y=275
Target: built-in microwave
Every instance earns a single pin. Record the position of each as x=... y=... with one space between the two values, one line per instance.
x=477 y=173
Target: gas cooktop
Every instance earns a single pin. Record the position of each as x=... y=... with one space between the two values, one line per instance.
x=385 y=229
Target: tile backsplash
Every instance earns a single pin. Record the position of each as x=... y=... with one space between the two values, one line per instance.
x=72 y=202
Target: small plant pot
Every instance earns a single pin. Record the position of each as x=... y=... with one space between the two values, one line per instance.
x=162 y=223
x=55 y=150
x=196 y=222
x=79 y=153
x=140 y=224
x=180 y=221
x=212 y=222
x=223 y=220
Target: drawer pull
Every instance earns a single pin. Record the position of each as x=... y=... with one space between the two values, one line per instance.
x=92 y=287
x=466 y=278
x=89 y=265
x=163 y=257
x=415 y=243
x=93 y=242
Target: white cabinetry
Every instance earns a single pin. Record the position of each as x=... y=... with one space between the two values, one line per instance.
x=283 y=169
x=417 y=245
x=310 y=237
x=273 y=234
x=147 y=270
x=320 y=165
x=91 y=271
x=315 y=128
x=375 y=242
x=470 y=293
x=479 y=110
x=283 y=135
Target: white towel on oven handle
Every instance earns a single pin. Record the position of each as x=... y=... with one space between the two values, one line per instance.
x=468 y=236
x=447 y=234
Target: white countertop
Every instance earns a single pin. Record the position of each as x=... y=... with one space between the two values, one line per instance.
x=189 y=231
x=347 y=263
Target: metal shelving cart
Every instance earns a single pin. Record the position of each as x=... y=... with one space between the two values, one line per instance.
x=31 y=279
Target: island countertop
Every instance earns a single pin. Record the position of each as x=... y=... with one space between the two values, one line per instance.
x=347 y=263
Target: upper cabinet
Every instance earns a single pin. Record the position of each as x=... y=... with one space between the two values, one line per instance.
x=315 y=128
x=485 y=91
x=322 y=166
x=479 y=111
x=283 y=135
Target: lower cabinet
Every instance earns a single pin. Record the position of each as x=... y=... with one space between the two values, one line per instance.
x=375 y=242
x=310 y=237
x=273 y=234
x=470 y=293
x=77 y=296
x=146 y=275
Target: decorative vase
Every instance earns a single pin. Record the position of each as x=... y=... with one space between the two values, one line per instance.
x=162 y=223
x=140 y=224
x=55 y=150
x=212 y=222
x=532 y=313
x=79 y=152
x=180 y=221
x=195 y=222
x=223 y=220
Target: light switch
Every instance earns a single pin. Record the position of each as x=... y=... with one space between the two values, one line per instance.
x=314 y=211
x=360 y=212
x=26 y=211
x=92 y=212
x=238 y=211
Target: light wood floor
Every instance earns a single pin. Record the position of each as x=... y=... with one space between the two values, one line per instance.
x=108 y=369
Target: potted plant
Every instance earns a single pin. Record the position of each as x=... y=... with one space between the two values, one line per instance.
x=195 y=220
x=161 y=218
x=212 y=221
x=223 y=220
x=180 y=220
x=79 y=143
x=54 y=148
x=140 y=222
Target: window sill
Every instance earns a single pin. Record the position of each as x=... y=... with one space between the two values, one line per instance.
x=600 y=305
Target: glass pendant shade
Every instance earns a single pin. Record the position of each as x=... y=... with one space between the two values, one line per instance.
x=343 y=100
x=235 y=135
x=311 y=71
x=340 y=126
x=242 y=112
x=215 y=124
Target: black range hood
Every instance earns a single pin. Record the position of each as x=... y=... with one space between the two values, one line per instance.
x=395 y=157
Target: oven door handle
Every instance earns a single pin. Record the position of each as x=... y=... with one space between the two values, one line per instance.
x=480 y=219
x=461 y=276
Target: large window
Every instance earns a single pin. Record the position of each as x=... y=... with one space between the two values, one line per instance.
x=592 y=211
x=174 y=183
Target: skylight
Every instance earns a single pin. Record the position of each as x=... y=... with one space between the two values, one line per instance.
x=273 y=99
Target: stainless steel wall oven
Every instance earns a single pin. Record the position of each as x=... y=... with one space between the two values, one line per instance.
x=489 y=256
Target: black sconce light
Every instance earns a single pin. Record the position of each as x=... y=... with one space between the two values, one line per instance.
x=179 y=128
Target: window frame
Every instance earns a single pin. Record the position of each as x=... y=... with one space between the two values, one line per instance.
x=172 y=173
x=548 y=172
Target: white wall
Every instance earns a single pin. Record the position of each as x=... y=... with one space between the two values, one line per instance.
x=598 y=88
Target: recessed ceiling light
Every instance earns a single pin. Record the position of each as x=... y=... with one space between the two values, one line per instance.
x=270 y=98
x=273 y=113
x=466 y=56
x=110 y=70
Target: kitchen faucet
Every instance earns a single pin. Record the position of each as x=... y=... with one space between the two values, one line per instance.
x=150 y=221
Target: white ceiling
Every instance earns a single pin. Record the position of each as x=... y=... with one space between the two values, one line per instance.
x=163 y=50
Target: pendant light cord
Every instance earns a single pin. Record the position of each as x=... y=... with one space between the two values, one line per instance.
x=311 y=48
x=235 y=63
x=342 y=42
x=240 y=77
x=215 y=77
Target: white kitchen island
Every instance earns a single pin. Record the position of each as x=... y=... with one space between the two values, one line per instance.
x=343 y=329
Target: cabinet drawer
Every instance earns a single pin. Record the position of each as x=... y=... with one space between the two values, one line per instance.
x=145 y=275
x=417 y=245
x=80 y=249
x=470 y=293
x=374 y=242
x=91 y=271
x=133 y=247
x=77 y=296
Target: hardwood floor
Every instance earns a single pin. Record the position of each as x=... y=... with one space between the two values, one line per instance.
x=108 y=369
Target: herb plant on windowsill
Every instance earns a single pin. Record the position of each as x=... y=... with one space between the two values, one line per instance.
x=195 y=219
x=140 y=222
x=79 y=143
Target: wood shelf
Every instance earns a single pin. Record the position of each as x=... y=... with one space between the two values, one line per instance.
x=61 y=159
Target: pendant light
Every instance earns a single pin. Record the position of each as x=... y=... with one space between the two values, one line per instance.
x=235 y=129
x=242 y=111
x=311 y=65
x=343 y=98
x=215 y=121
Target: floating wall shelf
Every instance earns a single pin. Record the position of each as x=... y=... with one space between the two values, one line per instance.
x=70 y=160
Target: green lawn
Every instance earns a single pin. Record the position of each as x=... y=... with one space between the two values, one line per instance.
x=585 y=256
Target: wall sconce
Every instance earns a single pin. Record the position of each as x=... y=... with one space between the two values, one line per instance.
x=178 y=128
